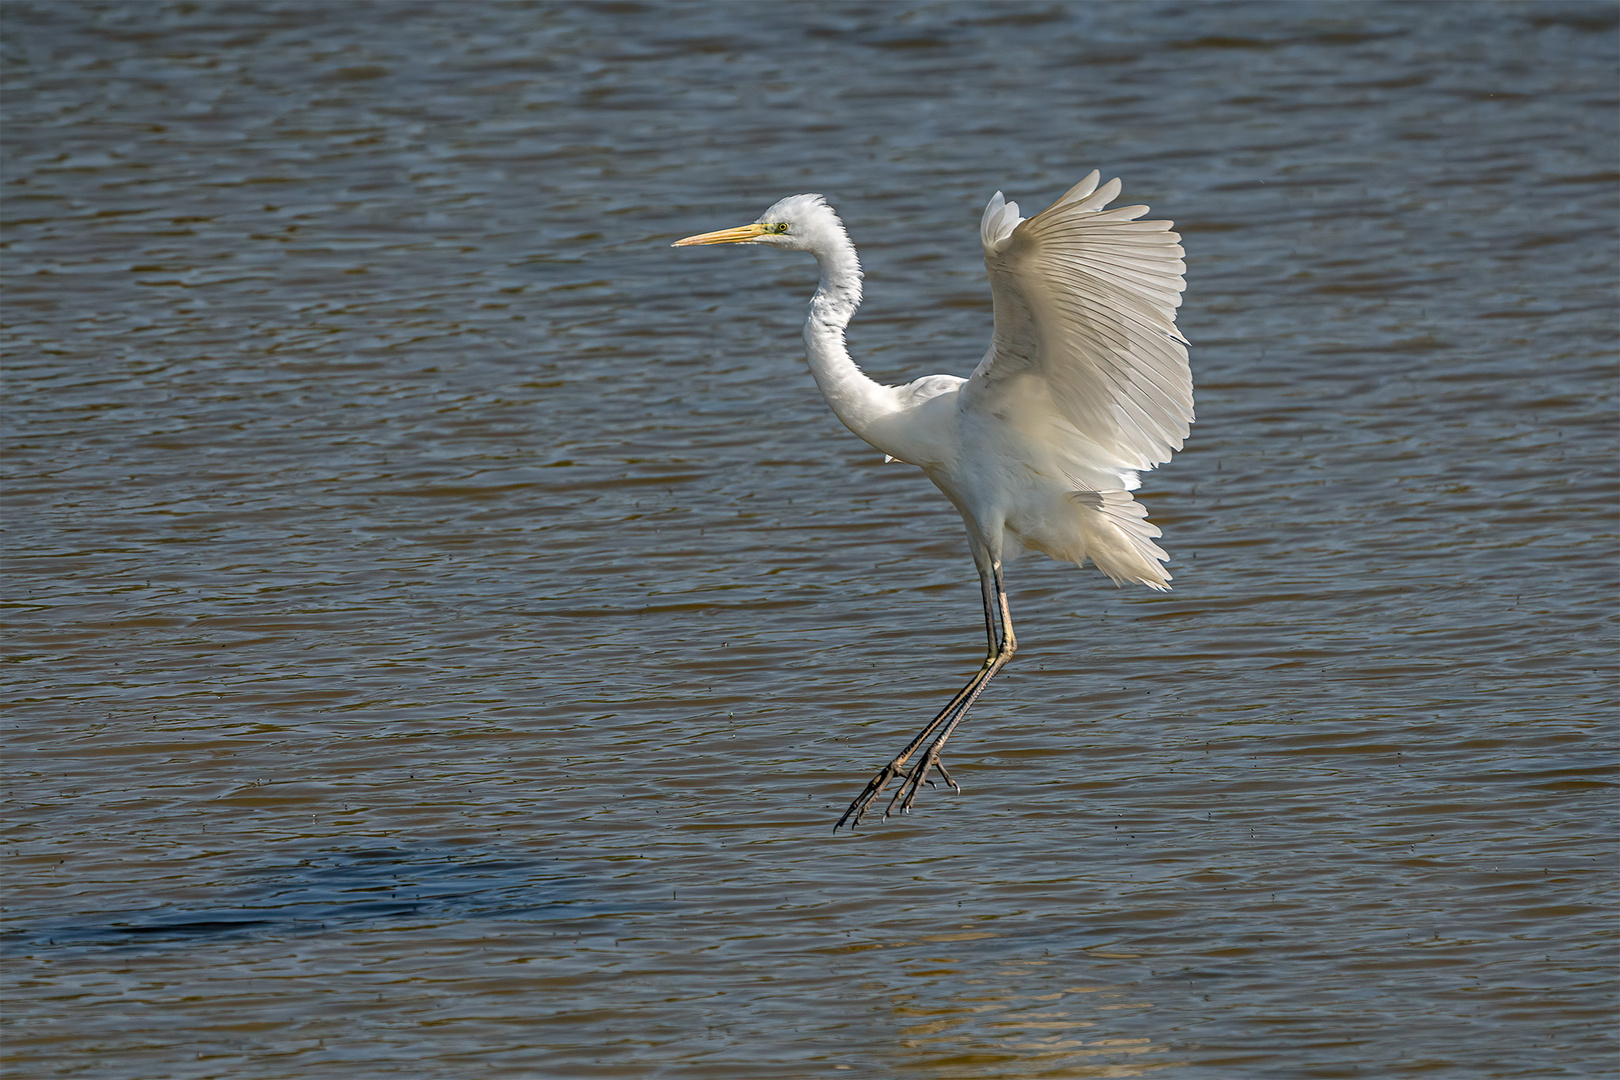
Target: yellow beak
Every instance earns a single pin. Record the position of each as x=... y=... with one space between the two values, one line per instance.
x=740 y=235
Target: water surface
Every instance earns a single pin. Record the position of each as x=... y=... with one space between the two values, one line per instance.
x=445 y=622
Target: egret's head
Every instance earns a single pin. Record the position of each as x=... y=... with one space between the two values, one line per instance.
x=796 y=223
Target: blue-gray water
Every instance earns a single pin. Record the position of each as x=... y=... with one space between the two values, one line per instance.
x=445 y=622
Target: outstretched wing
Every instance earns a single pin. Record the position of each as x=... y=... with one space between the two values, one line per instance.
x=1085 y=307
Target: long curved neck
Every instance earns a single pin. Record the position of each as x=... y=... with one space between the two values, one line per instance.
x=855 y=398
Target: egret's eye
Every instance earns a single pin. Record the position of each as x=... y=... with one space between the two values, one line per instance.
x=778 y=227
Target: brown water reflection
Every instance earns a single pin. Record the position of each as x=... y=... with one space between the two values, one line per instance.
x=443 y=629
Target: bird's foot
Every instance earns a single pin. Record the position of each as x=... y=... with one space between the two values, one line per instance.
x=916 y=777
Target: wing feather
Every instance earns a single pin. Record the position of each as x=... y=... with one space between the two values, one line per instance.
x=1085 y=306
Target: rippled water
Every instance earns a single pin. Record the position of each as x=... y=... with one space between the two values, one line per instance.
x=445 y=622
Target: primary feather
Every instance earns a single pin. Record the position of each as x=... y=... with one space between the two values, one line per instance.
x=1085 y=306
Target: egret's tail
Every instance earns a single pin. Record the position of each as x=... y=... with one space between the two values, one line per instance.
x=1119 y=538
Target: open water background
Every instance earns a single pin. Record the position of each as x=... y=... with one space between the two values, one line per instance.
x=444 y=622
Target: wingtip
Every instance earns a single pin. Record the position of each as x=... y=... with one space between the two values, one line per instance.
x=999 y=220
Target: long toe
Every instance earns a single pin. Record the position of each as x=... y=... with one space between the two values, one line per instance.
x=874 y=788
x=907 y=795
x=856 y=809
x=901 y=799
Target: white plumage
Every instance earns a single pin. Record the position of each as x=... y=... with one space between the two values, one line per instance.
x=1085 y=385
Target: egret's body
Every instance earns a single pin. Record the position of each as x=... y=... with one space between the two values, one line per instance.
x=1085 y=385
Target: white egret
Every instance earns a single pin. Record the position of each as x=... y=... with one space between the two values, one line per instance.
x=1085 y=385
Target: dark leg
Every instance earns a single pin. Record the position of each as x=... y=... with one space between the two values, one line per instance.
x=1004 y=650
x=998 y=626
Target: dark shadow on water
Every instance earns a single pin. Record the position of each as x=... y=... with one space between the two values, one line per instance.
x=330 y=890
